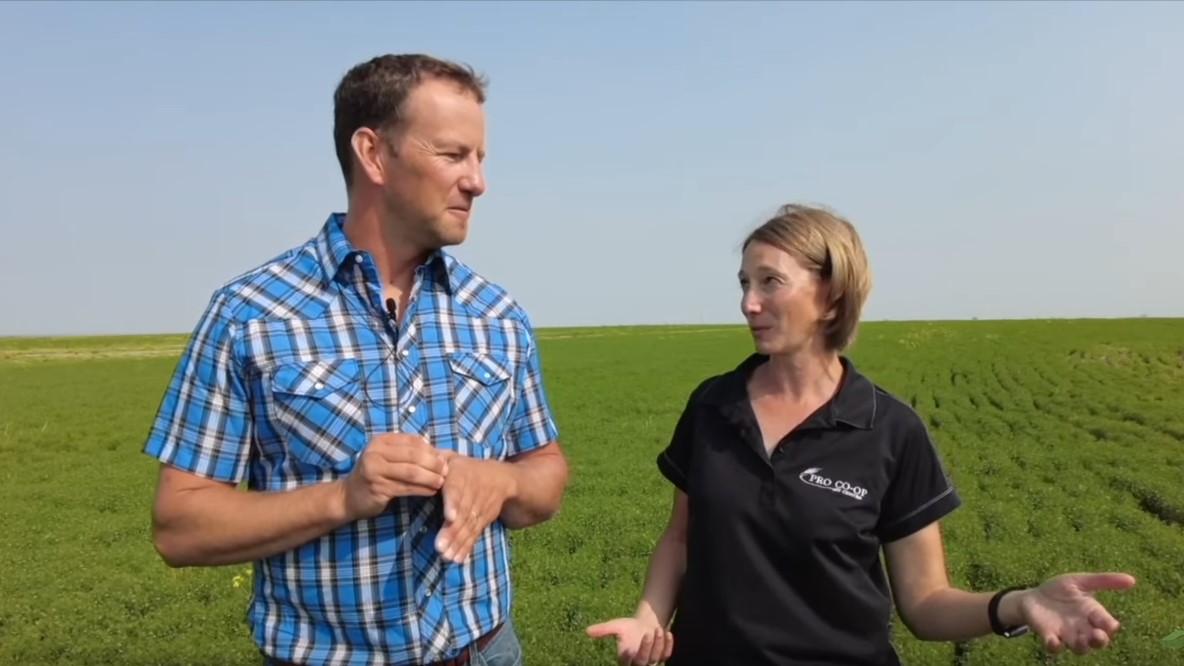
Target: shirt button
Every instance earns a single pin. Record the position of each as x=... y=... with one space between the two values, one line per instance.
x=411 y=409
x=406 y=352
x=320 y=385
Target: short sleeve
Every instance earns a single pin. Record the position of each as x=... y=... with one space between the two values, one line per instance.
x=203 y=422
x=674 y=461
x=532 y=424
x=920 y=492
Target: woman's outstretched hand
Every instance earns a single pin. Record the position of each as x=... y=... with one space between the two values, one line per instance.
x=1064 y=613
x=638 y=643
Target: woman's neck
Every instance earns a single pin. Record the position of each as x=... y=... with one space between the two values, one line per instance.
x=802 y=377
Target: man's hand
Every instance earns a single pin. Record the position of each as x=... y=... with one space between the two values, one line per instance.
x=474 y=492
x=393 y=465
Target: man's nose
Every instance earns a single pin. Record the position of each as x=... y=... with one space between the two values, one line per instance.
x=474 y=182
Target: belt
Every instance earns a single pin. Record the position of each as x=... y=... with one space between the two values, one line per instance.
x=466 y=656
x=462 y=659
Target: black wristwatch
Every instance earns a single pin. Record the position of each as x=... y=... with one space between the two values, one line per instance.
x=993 y=616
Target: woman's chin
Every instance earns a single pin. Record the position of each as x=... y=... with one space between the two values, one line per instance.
x=765 y=345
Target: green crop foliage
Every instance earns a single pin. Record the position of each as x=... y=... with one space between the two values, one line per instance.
x=1065 y=438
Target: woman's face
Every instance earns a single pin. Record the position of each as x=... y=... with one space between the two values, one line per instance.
x=784 y=303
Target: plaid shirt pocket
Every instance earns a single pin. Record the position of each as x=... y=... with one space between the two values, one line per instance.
x=482 y=391
x=320 y=409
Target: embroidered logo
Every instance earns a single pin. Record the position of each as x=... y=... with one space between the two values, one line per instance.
x=811 y=477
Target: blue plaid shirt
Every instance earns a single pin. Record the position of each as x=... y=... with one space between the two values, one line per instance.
x=291 y=370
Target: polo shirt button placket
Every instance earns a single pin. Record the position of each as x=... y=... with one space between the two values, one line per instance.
x=768 y=495
x=768 y=492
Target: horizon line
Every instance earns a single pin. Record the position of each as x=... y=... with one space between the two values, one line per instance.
x=974 y=320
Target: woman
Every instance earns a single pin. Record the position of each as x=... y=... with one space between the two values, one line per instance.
x=791 y=473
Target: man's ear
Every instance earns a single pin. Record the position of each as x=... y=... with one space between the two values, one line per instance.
x=367 y=153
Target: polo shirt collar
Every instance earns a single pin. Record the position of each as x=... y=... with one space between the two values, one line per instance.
x=853 y=405
x=336 y=253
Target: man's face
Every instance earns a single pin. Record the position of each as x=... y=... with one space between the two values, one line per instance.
x=433 y=169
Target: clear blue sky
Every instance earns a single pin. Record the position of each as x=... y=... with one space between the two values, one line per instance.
x=1000 y=159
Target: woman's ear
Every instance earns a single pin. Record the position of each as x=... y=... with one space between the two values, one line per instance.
x=830 y=306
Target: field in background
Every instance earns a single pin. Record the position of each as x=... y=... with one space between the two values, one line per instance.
x=1065 y=438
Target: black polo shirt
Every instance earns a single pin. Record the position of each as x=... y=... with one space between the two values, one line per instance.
x=783 y=552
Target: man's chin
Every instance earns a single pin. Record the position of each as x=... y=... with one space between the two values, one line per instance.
x=451 y=237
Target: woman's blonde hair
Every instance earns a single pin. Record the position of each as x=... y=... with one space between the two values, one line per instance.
x=826 y=243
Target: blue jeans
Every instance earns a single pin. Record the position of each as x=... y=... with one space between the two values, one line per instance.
x=503 y=650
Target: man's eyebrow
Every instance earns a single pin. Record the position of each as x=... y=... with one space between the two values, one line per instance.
x=458 y=145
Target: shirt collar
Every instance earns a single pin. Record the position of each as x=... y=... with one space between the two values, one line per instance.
x=336 y=253
x=854 y=404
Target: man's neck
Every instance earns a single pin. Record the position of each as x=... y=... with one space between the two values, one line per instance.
x=395 y=256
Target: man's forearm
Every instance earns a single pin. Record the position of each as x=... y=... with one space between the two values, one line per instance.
x=221 y=525
x=956 y=615
x=537 y=486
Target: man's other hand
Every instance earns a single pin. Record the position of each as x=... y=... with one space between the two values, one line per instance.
x=474 y=492
x=392 y=465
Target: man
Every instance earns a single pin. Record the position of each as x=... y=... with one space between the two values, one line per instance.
x=383 y=402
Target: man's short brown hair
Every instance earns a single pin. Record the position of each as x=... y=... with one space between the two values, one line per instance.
x=826 y=243
x=372 y=93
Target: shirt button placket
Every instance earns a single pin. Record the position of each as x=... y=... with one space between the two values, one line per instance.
x=768 y=494
x=769 y=483
x=406 y=373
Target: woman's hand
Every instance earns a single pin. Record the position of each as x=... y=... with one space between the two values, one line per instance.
x=1064 y=612
x=638 y=643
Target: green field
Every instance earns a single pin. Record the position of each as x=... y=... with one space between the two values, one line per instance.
x=1065 y=438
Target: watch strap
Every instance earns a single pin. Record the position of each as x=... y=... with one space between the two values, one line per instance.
x=993 y=615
